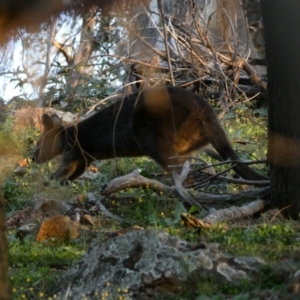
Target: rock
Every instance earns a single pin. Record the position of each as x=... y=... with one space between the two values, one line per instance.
x=23 y=217
x=52 y=207
x=146 y=264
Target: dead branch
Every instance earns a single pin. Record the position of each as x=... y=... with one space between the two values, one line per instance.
x=179 y=179
x=165 y=40
x=155 y=50
x=134 y=179
x=236 y=213
x=209 y=200
x=244 y=181
x=61 y=48
x=253 y=75
x=233 y=213
x=93 y=198
x=192 y=197
x=191 y=47
x=219 y=176
x=191 y=221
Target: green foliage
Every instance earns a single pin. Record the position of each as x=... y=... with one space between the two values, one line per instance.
x=8 y=144
x=3 y=111
x=15 y=141
x=270 y=241
x=247 y=126
x=35 y=268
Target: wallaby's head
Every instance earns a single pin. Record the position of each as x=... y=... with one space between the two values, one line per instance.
x=49 y=144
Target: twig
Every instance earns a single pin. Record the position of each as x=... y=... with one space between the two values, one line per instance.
x=166 y=40
x=233 y=163
x=134 y=179
x=92 y=197
x=179 y=179
x=279 y=211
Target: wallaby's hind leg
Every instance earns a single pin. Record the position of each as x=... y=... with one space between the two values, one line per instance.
x=161 y=150
x=224 y=148
x=168 y=159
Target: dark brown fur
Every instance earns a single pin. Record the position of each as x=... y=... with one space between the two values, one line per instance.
x=160 y=123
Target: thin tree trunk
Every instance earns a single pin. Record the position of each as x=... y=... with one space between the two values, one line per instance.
x=281 y=24
x=77 y=62
x=85 y=48
x=45 y=76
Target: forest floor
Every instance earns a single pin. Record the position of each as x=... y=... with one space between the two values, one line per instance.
x=36 y=267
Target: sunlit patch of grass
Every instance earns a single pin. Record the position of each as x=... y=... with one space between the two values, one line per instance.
x=269 y=241
x=141 y=207
x=250 y=127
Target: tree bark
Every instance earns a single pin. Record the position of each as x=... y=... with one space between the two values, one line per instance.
x=78 y=62
x=85 y=48
x=44 y=78
x=281 y=24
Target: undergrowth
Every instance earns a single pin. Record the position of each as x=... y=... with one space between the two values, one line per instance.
x=35 y=268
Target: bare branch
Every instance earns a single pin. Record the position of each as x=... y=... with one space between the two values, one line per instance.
x=165 y=40
x=61 y=48
x=192 y=197
x=235 y=213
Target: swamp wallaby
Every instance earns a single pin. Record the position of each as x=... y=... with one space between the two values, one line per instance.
x=161 y=122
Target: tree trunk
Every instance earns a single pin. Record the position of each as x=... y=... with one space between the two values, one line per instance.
x=282 y=23
x=85 y=48
x=45 y=76
x=78 y=61
x=4 y=282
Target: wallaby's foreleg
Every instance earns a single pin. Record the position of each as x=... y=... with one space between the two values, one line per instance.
x=69 y=169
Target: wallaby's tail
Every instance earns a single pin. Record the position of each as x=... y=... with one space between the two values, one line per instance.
x=218 y=138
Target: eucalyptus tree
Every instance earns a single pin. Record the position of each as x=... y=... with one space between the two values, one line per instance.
x=281 y=24
x=69 y=58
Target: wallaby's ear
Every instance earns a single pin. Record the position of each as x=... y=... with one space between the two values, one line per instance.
x=50 y=122
x=56 y=119
x=47 y=122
